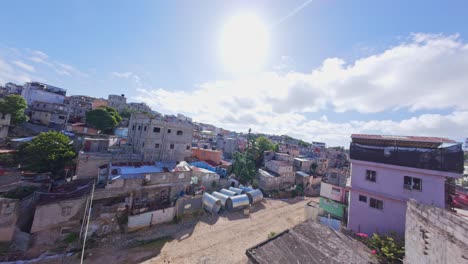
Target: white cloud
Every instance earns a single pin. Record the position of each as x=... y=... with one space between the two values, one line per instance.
x=128 y=75
x=426 y=72
x=38 y=56
x=24 y=66
x=12 y=73
x=124 y=75
x=66 y=69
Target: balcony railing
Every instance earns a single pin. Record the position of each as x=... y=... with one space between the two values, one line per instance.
x=449 y=159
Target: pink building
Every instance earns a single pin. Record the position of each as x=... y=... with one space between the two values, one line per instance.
x=386 y=171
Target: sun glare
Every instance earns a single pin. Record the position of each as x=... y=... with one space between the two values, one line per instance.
x=244 y=44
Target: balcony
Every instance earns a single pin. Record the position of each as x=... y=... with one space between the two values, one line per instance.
x=447 y=159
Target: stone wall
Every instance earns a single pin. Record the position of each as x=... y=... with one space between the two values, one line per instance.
x=434 y=235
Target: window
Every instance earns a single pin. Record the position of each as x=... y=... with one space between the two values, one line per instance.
x=62 y=117
x=363 y=198
x=412 y=183
x=144 y=128
x=169 y=131
x=377 y=204
x=179 y=132
x=188 y=147
x=336 y=190
x=171 y=146
x=139 y=128
x=133 y=127
x=156 y=145
x=156 y=129
x=371 y=175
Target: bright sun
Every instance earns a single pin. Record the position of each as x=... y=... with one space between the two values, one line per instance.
x=244 y=44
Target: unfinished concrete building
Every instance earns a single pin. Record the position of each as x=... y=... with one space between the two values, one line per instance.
x=159 y=140
x=119 y=102
x=278 y=171
x=78 y=105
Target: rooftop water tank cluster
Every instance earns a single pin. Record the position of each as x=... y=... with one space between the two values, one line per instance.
x=232 y=198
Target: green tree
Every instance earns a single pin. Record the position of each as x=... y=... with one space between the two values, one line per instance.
x=243 y=167
x=261 y=145
x=14 y=105
x=276 y=149
x=48 y=152
x=104 y=119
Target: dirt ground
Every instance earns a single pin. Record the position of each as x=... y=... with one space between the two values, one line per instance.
x=208 y=239
x=224 y=239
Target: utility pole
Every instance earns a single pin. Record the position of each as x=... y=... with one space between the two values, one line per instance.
x=66 y=119
x=87 y=223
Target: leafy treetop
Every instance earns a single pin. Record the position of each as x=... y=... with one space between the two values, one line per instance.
x=104 y=119
x=48 y=152
x=14 y=105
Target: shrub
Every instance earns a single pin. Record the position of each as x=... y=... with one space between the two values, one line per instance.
x=71 y=237
x=271 y=235
x=388 y=248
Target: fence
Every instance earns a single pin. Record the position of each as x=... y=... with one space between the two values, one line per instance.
x=449 y=159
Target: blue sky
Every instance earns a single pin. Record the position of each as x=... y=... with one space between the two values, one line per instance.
x=166 y=54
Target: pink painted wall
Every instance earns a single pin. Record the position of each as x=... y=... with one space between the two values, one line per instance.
x=390 y=181
x=368 y=220
x=389 y=188
x=326 y=190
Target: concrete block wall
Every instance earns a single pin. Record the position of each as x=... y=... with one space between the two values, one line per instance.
x=275 y=183
x=88 y=163
x=434 y=235
x=54 y=215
